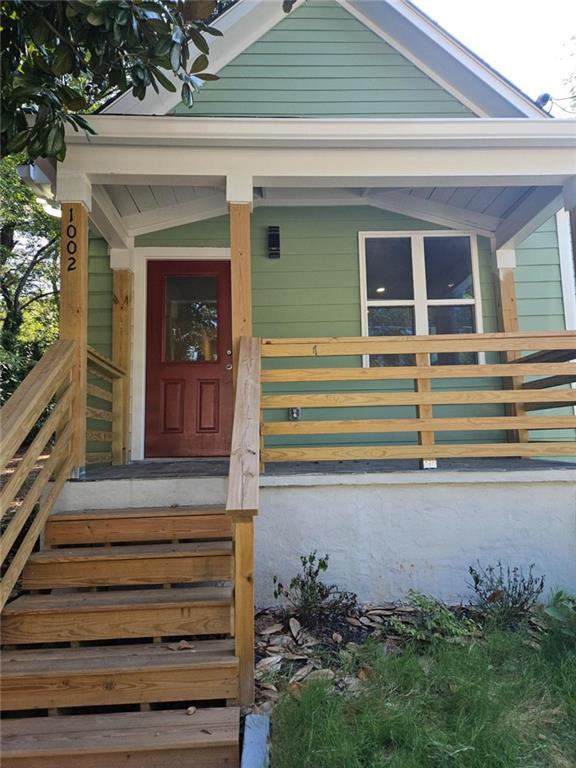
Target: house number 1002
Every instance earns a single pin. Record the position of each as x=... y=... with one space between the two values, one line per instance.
x=71 y=245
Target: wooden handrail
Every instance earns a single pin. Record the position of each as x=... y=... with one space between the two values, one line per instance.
x=49 y=383
x=19 y=414
x=244 y=472
x=551 y=358
x=242 y=505
x=103 y=365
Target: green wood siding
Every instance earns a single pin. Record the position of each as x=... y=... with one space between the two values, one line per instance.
x=320 y=61
x=99 y=326
x=100 y=297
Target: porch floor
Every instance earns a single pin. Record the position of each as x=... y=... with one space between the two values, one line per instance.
x=183 y=468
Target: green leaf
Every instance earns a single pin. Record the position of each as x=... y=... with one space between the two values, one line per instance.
x=187 y=94
x=175 y=57
x=199 y=41
x=95 y=19
x=63 y=60
x=18 y=142
x=199 y=64
x=164 y=81
x=206 y=76
x=54 y=140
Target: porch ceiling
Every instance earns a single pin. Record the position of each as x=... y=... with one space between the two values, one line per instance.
x=142 y=208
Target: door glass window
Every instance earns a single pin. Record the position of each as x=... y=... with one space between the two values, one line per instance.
x=191 y=319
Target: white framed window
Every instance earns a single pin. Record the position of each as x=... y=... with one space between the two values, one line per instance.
x=419 y=283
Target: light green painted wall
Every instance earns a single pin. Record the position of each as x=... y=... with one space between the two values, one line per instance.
x=99 y=326
x=539 y=281
x=321 y=61
x=100 y=297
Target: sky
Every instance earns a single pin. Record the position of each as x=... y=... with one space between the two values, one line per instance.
x=527 y=41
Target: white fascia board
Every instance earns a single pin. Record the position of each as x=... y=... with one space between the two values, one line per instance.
x=531 y=213
x=175 y=215
x=138 y=130
x=443 y=58
x=241 y=26
x=437 y=213
x=333 y=167
x=107 y=221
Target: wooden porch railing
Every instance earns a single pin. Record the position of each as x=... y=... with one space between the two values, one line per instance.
x=44 y=401
x=425 y=386
x=105 y=404
x=242 y=505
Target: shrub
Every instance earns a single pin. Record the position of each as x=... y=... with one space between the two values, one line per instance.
x=504 y=595
x=562 y=614
x=313 y=601
x=432 y=620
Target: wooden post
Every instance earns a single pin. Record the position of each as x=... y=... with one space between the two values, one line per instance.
x=425 y=411
x=244 y=606
x=74 y=314
x=241 y=276
x=508 y=316
x=122 y=306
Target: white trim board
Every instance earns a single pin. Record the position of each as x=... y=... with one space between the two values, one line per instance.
x=141 y=257
x=431 y=48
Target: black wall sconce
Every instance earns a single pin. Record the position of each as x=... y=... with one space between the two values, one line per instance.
x=273 y=242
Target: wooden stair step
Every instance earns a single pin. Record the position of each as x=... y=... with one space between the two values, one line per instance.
x=137 y=613
x=123 y=565
x=94 y=526
x=166 y=739
x=118 y=674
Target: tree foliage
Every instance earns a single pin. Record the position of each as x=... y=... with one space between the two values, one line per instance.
x=62 y=59
x=28 y=277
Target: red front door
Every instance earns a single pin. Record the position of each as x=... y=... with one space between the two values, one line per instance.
x=189 y=359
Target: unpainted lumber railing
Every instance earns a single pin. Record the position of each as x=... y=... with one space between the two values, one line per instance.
x=43 y=400
x=105 y=404
x=506 y=380
x=242 y=506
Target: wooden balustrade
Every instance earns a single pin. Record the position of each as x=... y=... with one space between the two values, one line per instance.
x=106 y=402
x=40 y=464
x=414 y=385
x=242 y=505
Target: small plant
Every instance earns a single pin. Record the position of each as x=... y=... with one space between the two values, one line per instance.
x=311 y=600
x=432 y=620
x=505 y=595
x=562 y=613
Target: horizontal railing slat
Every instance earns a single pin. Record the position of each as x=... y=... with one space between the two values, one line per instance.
x=103 y=394
x=462 y=450
x=396 y=373
x=377 y=426
x=372 y=399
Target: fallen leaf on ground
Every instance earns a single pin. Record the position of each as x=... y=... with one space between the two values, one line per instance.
x=272 y=629
x=295 y=627
x=269 y=663
x=321 y=674
x=337 y=637
x=301 y=673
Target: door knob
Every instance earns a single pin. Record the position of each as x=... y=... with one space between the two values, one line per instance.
x=229 y=367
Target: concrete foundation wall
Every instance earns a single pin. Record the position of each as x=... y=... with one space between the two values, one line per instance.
x=404 y=532
x=386 y=533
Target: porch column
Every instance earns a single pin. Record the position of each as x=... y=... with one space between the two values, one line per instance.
x=508 y=317
x=74 y=192
x=239 y=198
x=122 y=322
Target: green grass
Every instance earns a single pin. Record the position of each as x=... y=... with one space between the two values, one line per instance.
x=495 y=703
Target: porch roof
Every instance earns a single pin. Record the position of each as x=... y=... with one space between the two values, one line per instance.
x=494 y=176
